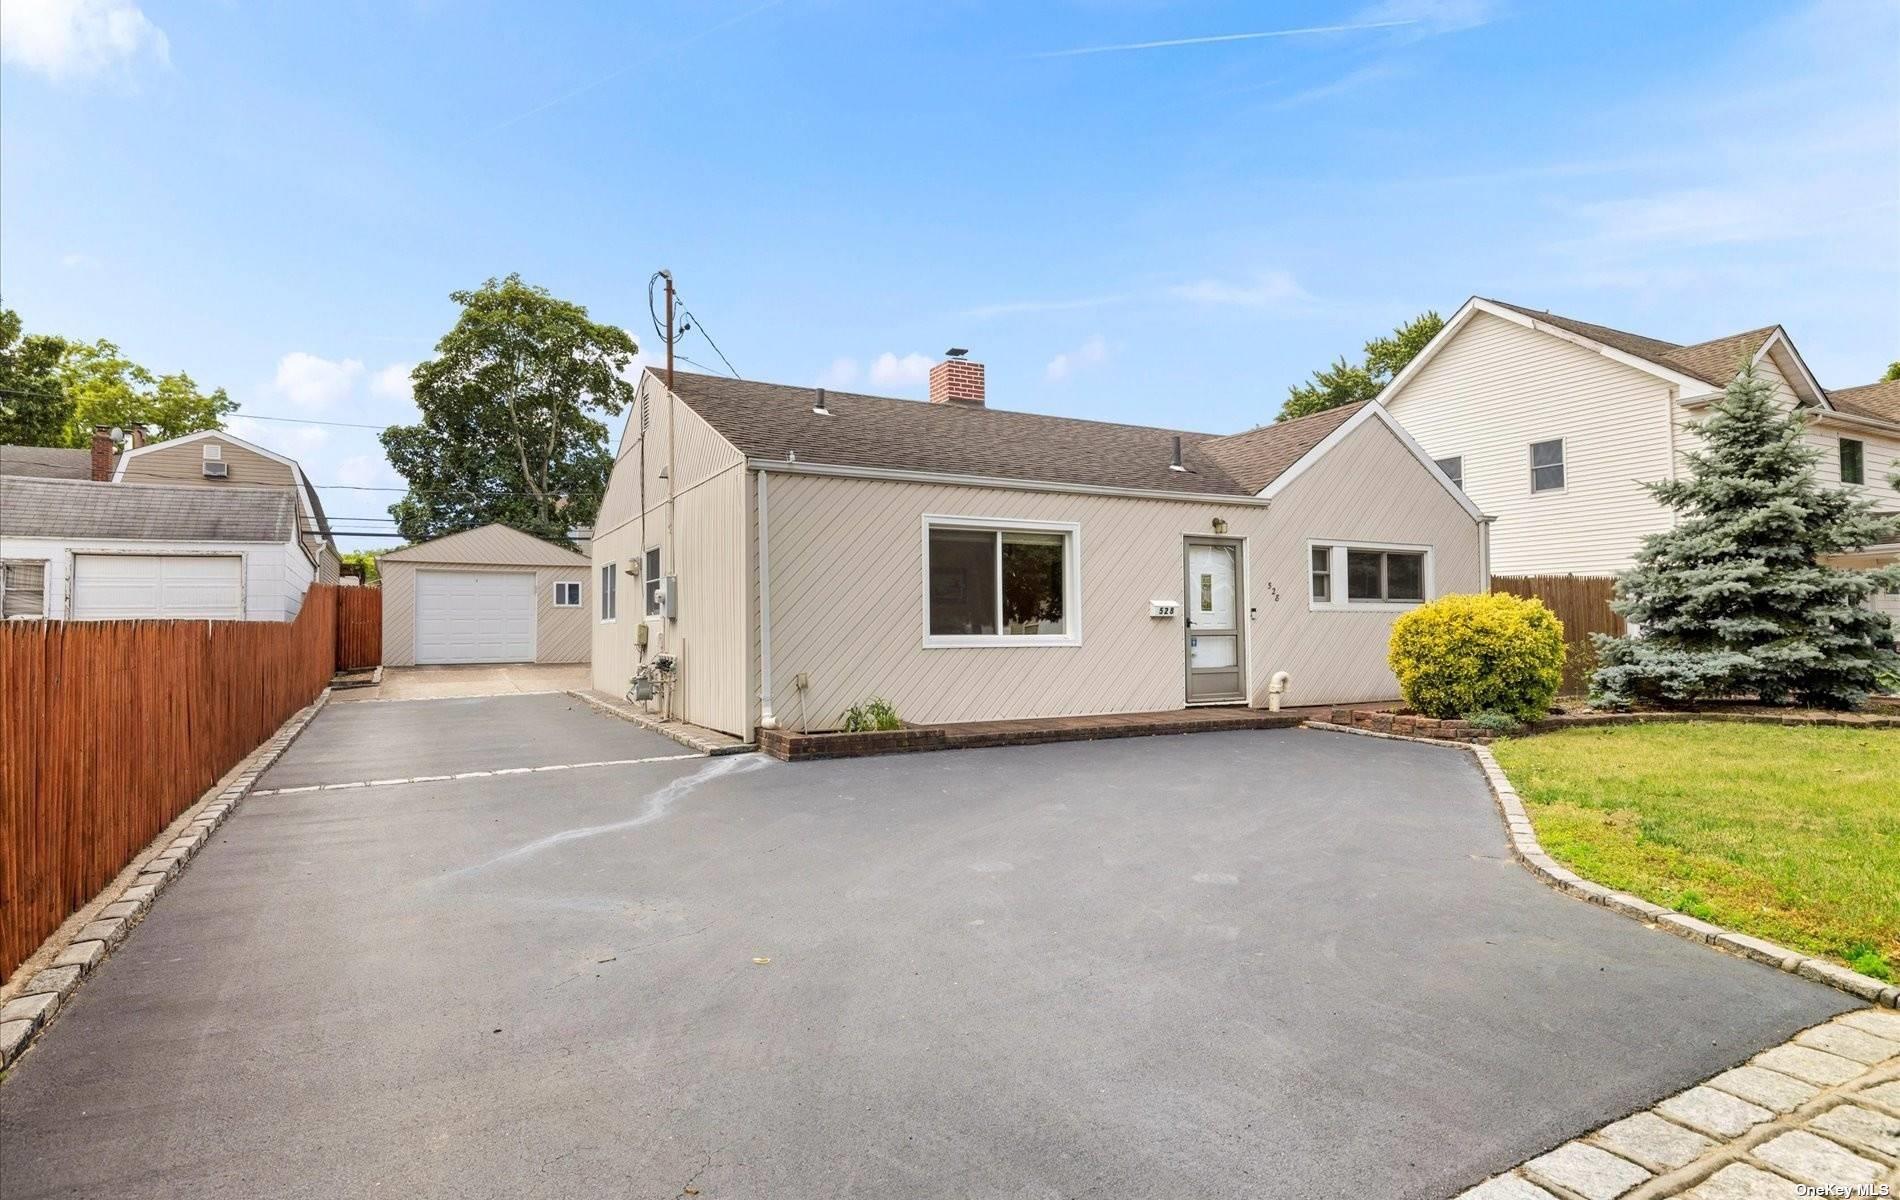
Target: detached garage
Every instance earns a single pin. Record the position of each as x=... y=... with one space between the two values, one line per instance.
x=488 y=595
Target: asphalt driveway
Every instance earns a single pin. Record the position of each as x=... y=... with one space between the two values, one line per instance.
x=1282 y=963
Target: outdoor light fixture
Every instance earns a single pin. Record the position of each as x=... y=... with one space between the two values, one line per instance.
x=1220 y=524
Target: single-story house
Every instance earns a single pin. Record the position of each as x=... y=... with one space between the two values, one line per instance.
x=793 y=551
x=75 y=549
x=487 y=595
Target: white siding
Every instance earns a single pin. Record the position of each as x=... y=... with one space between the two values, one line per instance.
x=702 y=538
x=1496 y=387
x=275 y=576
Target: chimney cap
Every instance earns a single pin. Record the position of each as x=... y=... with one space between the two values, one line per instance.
x=955 y=352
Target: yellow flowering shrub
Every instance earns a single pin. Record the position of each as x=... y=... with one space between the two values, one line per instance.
x=1461 y=655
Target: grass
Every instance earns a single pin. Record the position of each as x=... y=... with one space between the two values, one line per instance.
x=1791 y=834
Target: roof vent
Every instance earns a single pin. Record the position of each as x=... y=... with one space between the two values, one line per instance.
x=818 y=405
x=1176 y=464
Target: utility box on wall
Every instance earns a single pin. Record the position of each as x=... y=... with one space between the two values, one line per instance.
x=668 y=597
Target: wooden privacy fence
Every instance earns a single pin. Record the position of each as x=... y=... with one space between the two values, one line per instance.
x=1582 y=603
x=110 y=729
x=359 y=627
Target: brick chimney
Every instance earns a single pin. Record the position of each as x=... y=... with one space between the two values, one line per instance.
x=957 y=380
x=103 y=452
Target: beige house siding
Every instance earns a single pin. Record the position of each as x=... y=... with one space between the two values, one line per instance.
x=702 y=542
x=560 y=634
x=847 y=591
x=184 y=463
x=1493 y=389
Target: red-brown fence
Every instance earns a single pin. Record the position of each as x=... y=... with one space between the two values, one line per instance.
x=109 y=729
x=359 y=627
x=1582 y=603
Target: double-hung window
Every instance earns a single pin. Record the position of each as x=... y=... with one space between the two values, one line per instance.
x=1000 y=583
x=1547 y=466
x=1853 y=461
x=22 y=587
x=1454 y=469
x=1356 y=576
x=607 y=597
x=650 y=581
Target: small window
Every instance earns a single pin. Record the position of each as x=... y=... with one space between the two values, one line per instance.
x=1853 y=461
x=650 y=580
x=1547 y=466
x=1322 y=574
x=1004 y=584
x=22 y=587
x=214 y=452
x=1385 y=576
x=567 y=594
x=1454 y=469
x=607 y=597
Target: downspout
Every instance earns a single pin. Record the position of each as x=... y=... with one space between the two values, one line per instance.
x=1484 y=550
x=766 y=720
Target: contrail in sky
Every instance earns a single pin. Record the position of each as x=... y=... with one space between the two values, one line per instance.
x=1223 y=37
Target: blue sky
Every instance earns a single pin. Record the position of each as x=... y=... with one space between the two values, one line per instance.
x=279 y=199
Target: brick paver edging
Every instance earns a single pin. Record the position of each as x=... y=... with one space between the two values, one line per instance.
x=1527 y=850
x=43 y=995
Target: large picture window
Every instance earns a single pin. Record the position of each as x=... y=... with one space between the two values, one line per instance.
x=998 y=584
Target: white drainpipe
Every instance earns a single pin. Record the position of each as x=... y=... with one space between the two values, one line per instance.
x=766 y=720
x=1275 y=689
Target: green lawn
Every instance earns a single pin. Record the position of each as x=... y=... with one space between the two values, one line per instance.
x=1792 y=834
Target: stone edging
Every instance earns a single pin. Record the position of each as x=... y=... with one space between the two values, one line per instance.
x=678 y=731
x=1527 y=850
x=48 y=990
x=1380 y=720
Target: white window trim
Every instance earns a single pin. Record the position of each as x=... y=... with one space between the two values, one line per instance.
x=1071 y=581
x=648 y=607
x=580 y=598
x=1840 y=460
x=1336 y=570
x=1530 y=466
x=609 y=590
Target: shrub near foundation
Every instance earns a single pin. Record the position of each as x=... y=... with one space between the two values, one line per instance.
x=1492 y=654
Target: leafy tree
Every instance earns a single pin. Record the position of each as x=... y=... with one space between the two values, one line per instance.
x=1734 y=601
x=1893 y=372
x=1349 y=383
x=509 y=430
x=106 y=388
x=365 y=559
x=33 y=409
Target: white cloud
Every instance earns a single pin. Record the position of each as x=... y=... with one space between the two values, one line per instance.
x=367 y=471
x=1092 y=353
x=842 y=373
x=293 y=441
x=65 y=38
x=888 y=370
x=1266 y=290
x=308 y=381
x=391 y=383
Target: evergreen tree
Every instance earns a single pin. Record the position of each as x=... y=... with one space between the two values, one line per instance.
x=1734 y=601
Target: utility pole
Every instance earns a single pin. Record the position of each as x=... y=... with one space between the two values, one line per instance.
x=668 y=276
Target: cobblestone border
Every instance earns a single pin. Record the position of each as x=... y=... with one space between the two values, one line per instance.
x=1820 y=1112
x=1528 y=850
x=47 y=991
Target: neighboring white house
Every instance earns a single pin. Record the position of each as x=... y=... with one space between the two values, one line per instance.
x=792 y=552
x=78 y=550
x=1553 y=426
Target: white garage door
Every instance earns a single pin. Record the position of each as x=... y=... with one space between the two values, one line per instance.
x=108 y=587
x=474 y=616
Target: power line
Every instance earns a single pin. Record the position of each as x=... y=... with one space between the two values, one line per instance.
x=251 y=416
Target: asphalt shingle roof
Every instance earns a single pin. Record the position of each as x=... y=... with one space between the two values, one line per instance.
x=1714 y=362
x=46 y=462
x=80 y=508
x=1878 y=400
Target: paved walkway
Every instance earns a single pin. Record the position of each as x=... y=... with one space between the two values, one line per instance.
x=1820 y=1112
x=443 y=683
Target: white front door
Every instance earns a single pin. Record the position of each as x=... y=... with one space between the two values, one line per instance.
x=111 y=587
x=474 y=616
x=1215 y=641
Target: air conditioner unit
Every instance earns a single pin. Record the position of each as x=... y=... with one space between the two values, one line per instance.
x=216 y=470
